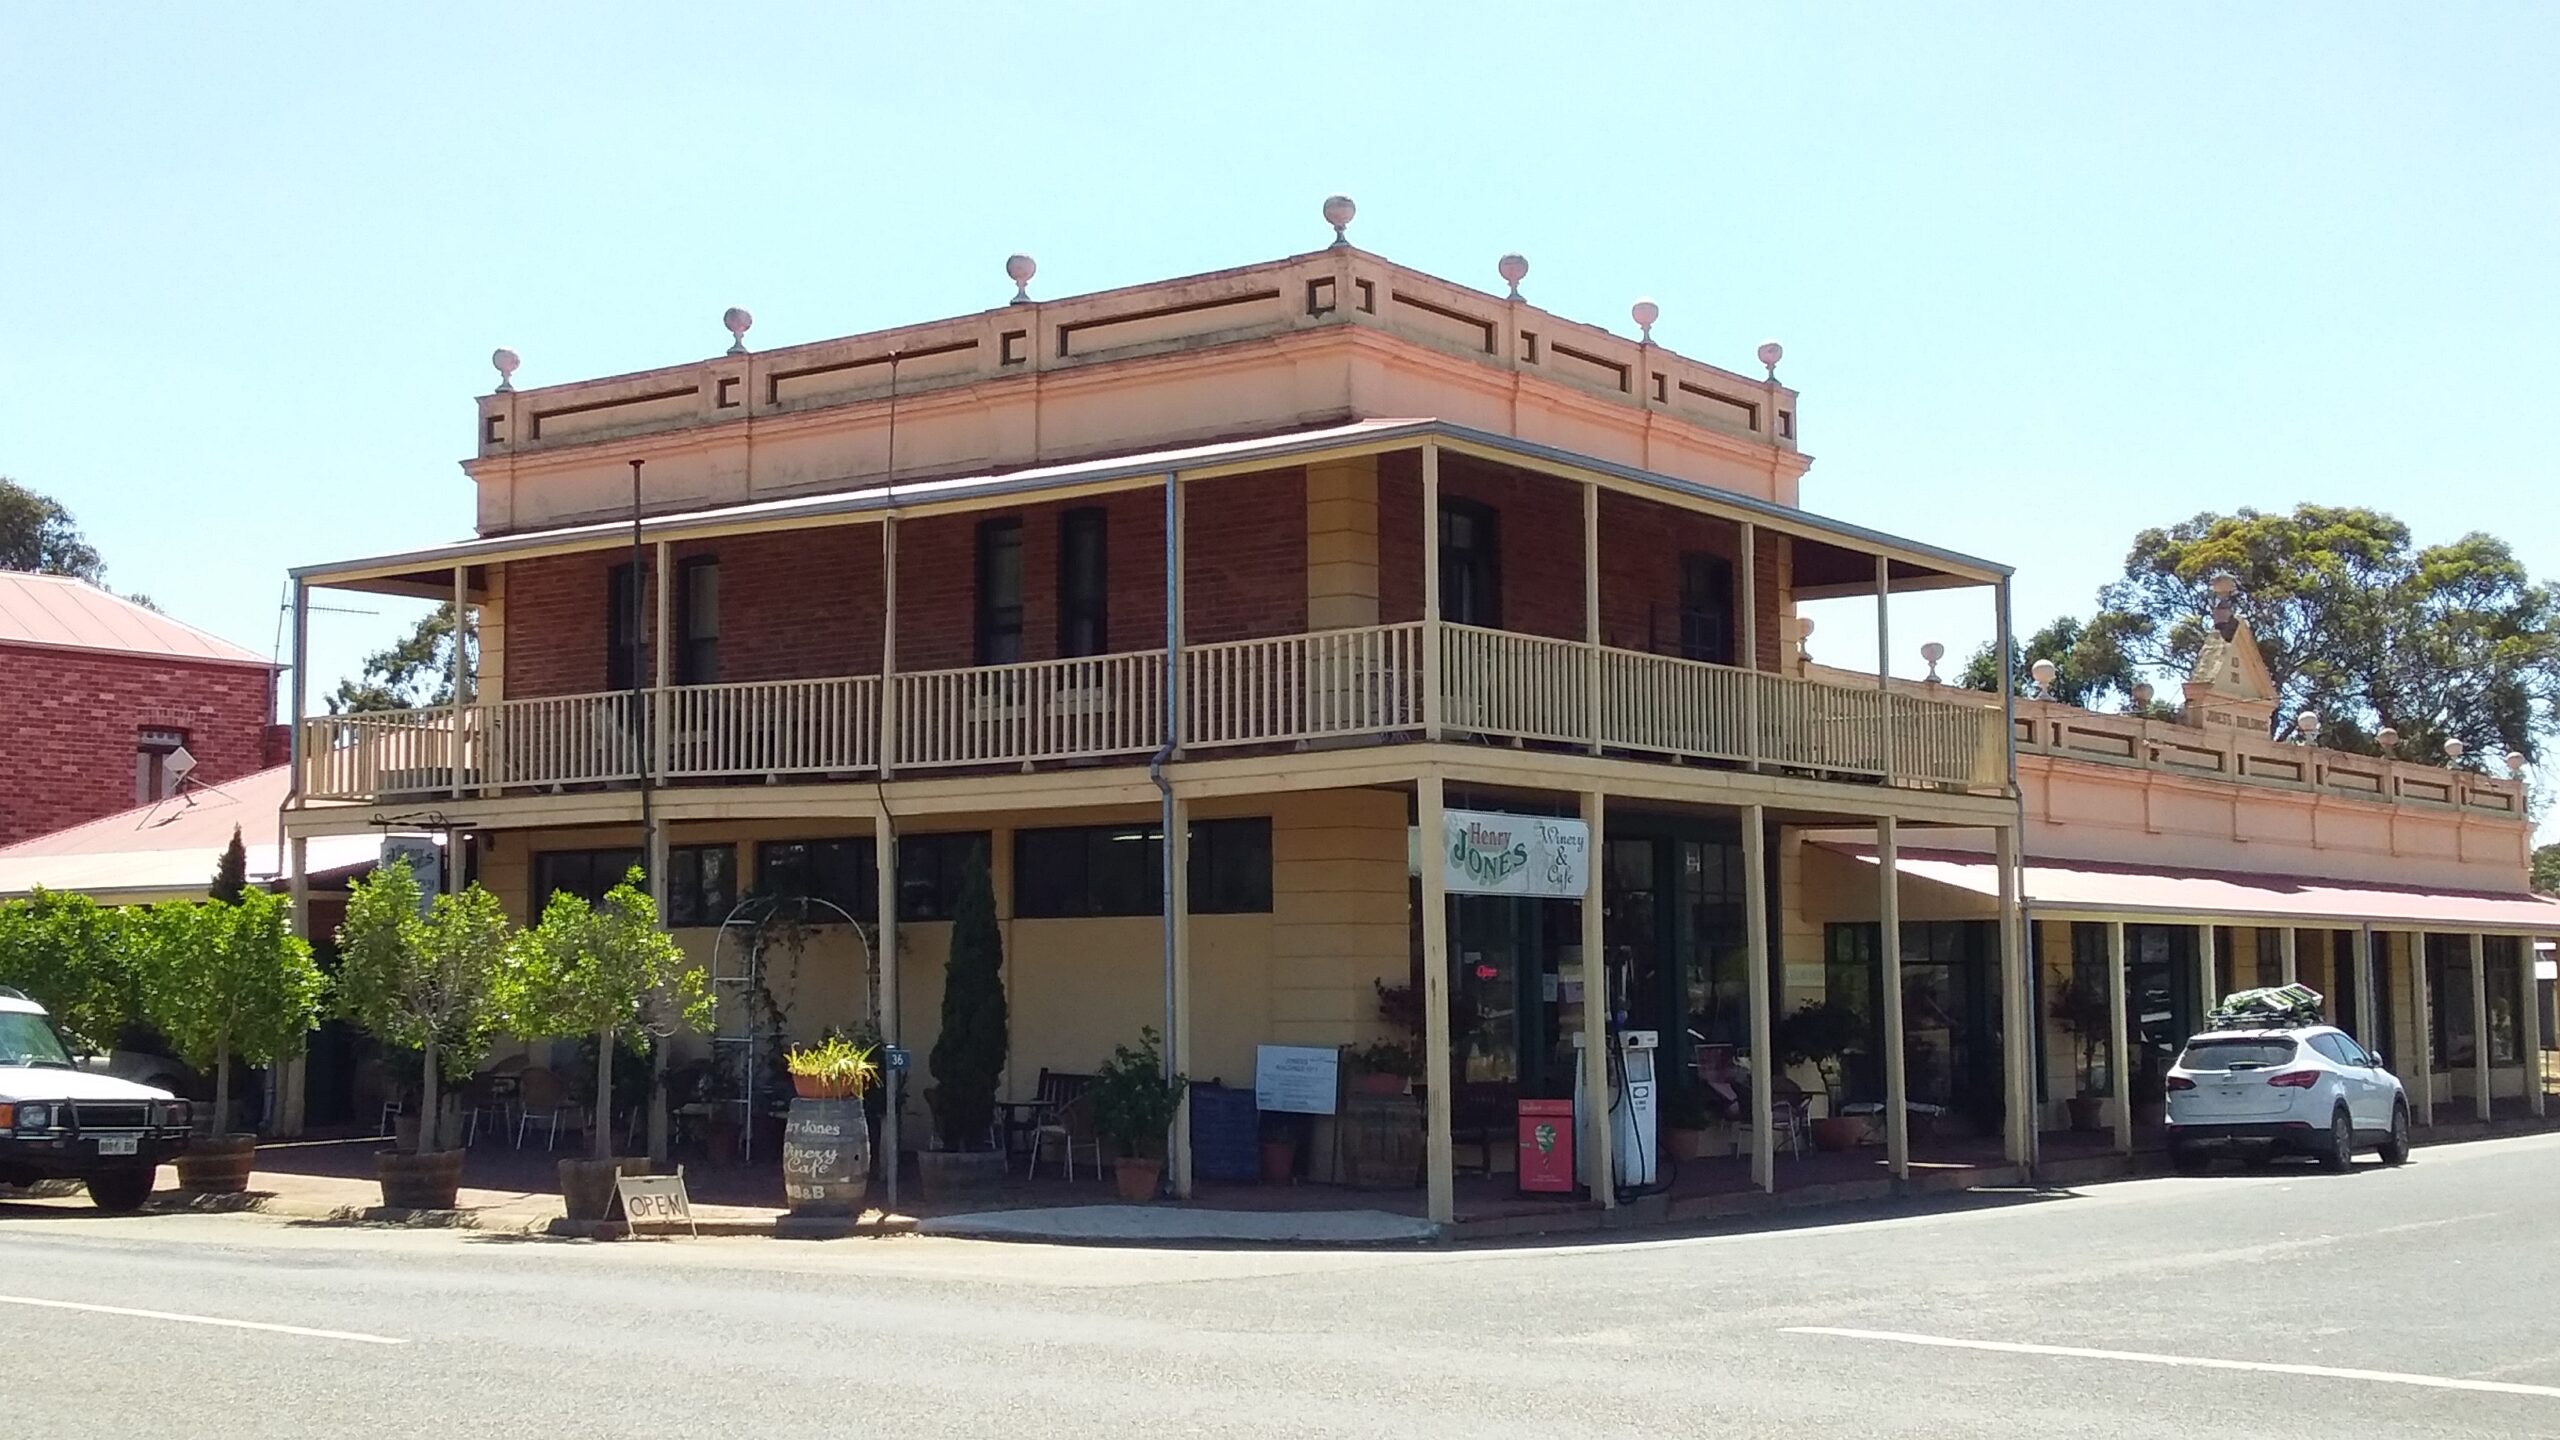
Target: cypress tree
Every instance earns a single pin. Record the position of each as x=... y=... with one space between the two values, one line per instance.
x=969 y=1055
x=231 y=877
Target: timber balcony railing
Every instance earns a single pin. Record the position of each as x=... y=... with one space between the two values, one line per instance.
x=1372 y=684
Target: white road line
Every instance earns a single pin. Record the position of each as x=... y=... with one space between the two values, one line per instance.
x=2192 y=1362
x=303 y=1330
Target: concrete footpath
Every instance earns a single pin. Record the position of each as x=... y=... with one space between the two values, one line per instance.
x=347 y=1199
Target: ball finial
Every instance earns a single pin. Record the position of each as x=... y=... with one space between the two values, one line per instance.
x=1771 y=352
x=739 y=322
x=2044 y=672
x=1019 y=269
x=2387 y=738
x=1933 y=652
x=1513 y=269
x=1644 y=313
x=2142 y=693
x=504 y=361
x=2306 y=725
x=1338 y=211
x=2515 y=763
x=2453 y=749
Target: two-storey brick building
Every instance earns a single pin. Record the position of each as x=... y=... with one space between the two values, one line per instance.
x=101 y=695
x=1324 y=568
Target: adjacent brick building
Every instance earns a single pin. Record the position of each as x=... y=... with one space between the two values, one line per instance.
x=100 y=694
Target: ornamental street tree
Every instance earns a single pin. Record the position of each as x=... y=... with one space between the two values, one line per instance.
x=968 y=1057
x=74 y=957
x=228 y=981
x=601 y=970
x=436 y=982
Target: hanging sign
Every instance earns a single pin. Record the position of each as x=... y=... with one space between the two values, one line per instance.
x=1485 y=852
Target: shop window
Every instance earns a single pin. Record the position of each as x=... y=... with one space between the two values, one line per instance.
x=1084 y=585
x=702 y=884
x=837 y=875
x=933 y=868
x=999 y=619
x=697 y=654
x=1706 y=608
x=1118 y=870
x=586 y=874
x=1470 y=565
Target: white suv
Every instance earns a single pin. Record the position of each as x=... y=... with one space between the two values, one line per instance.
x=2304 y=1089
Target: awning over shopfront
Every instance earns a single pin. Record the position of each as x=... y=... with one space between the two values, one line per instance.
x=2084 y=889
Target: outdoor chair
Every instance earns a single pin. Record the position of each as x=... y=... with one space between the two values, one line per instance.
x=543 y=1099
x=1023 y=1122
x=1070 y=1129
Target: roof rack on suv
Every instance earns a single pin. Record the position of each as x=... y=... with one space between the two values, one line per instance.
x=2272 y=1007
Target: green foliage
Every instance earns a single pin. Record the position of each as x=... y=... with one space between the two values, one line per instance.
x=1134 y=1101
x=591 y=970
x=75 y=957
x=838 y=1066
x=231 y=874
x=969 y=1055
x=1818 y=1034
x=2090 y=667
x=2439 y=642
x=228 y=982
x=438 y=980
x=2546 y=869
x=415 y=670
x=37 y=534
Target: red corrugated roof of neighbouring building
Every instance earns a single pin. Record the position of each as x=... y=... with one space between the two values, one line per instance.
x=172 y=845
x=61 y=613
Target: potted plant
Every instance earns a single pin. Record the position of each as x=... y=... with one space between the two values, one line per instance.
x=1134 y=1105
x=432 y=978
x=1818 y=1033
x=969 y=1055
x=2081 y=1008
x=826 y=1146
x=1387 y=1067
x=224 y=982
x=603 y=970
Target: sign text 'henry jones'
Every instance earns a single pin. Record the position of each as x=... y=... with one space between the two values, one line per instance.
x=1489 y=853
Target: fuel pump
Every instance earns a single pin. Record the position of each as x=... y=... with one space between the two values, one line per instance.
x=1631 y=1109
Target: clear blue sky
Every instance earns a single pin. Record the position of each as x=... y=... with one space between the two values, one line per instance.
x=2045 y=274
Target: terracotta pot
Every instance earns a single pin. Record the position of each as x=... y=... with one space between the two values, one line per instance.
x=1684 y=1145
x=1839 y=1132
x=1376 y=1084
x=1137 y=1179
x=1279 y=1162
x=586 y=1186
x=217 y=1164
x=2088 y=1112
x=826 y=1157
x=419 y=1182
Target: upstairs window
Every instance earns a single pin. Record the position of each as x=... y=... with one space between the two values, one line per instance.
x=621 y=626
x=155 y=777
x=1470 y=565
x=999 y=592
x=1706 y=608
x=697 y=656
x=1083 y=582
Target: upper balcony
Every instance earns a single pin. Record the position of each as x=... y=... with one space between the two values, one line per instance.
x=1019 y=621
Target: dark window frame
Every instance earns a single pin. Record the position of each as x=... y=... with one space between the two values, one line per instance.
x=1084 y=581
x=621 y=625
x=1083 y=872
x=589 y=873
x=1472 y=572
x=932 y=866
x=697 y=657
x=998 y=627
x=1707 y=607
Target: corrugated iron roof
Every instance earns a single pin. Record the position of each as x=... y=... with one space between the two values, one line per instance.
x=2057 y=888
x=171 y=848
x=61 y=613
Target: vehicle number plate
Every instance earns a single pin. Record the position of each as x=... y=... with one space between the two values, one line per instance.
x=119 y=1144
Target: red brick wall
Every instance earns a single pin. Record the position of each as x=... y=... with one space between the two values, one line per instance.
x=1540 y=528
x=68 y=746
x=807 y=603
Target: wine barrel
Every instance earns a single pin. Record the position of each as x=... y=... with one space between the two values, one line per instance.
x=826 y=1157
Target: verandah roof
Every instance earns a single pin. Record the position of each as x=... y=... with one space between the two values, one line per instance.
x=2062 y=889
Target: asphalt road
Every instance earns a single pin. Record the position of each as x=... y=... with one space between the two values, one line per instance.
x=2444 y=1271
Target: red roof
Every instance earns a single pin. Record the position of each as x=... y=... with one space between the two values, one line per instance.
x=2092 y=887
x=61 y=613
x=171 y=846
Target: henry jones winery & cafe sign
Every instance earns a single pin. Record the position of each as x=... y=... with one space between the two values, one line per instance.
x=1488 y=853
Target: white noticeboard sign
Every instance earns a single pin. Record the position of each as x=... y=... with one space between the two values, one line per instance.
x=1484 y=852
x=655 y=1200
x=1296 y=1079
